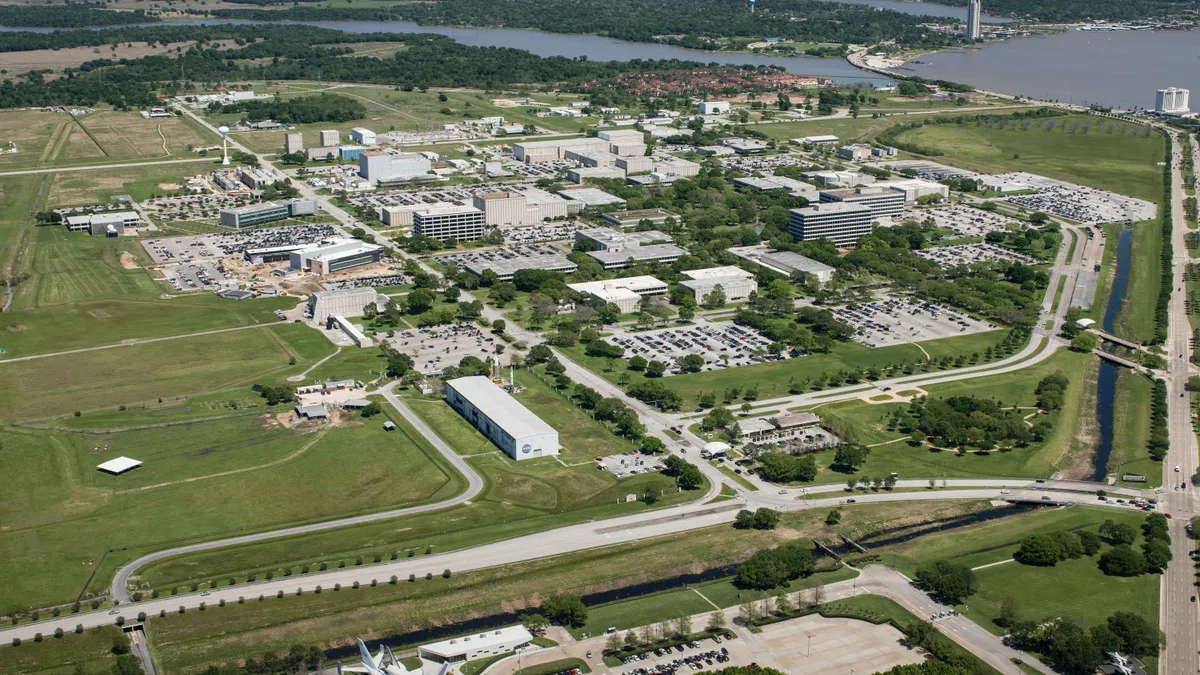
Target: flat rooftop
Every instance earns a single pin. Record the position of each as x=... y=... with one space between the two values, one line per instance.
x=726 y=272
x=832 y=207
x=510 y=266
x=591 y=196
x=640 y=214
x=501 y=408
x=650 y=252
x=119 y=465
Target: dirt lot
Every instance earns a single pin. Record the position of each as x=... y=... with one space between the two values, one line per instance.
x=57 y=59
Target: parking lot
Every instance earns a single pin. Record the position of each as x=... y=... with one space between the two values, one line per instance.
x=630 y=463
x=190 y=207
x=895 y=321
x=1076 y=202
x=721 y=345
x=529 y=234
x=204 y=275
x=688 y=657
x=969 y=254
x=436 y=348
x=501 y=254
x=370 y=282
x=167 y=250
x=428 y=195
x=962 y=221
x=928 y=170
x=796 y=442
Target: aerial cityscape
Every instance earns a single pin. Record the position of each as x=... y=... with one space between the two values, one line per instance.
x=522 y=337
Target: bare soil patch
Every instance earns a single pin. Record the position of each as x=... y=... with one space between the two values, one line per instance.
x=128 y=261
x=57 y=59
x=98 y=314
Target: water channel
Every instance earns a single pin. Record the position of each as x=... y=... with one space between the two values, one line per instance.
x=1106 y=380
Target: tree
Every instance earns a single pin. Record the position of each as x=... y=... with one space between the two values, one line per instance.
x=716 y=620
x=371 y=409
x=566 y=610
x=1137 y=635
x=833 y=518
x=535 y=623
x=1070 y=649
x=1010 y=612
x=540 y=354
x=692 y=363
x=1122 y=561
x=1117 y=534
x=947 y=581
x=780 y=468
x=715 y=298
x=765 y=519
x=1040 y=550
x=1090 y=542
x=1084 y=342
x=655 y=369
x=127 y=664
x=774 y=567
x=638 y=363
x=849 y=458
x=744 y=520
x=420 y=300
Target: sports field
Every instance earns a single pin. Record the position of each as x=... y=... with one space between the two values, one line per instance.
x=62 y=515
x=86 y=381
x=1123 y=163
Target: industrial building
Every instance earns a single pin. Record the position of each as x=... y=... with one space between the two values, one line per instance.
x=523 y=208
x=624 y=293
x=119 y=465
x=112 y=224
x=254 y=214
x=497 y=415
x=579 y=174
x=345 y=302
x=350 y=153
x=653 y=253
x=608 y=239
x=545 y=151
x=337 y=256
x=506 y=268
x=590 y=158
x=792 y=264
x=743 y=146
x=636 y=164
x=330 y=137
x=352 y=331
x=817 y=140
x=1172 y=101
x=381 y=167
x=324 y=153
x=857 y=152
x=293 y=142
x=764 y=427
x=841 y=178
x=628 y=219
x=254 y=178
x=479 y=646
x=593 y=197
x=883 y=202
x=714 y=107
x=843 y=223
x=736 y=283
x=362 y=136
x=915 y=188
x=461 y=223
x=675 y=167
x=795 y=188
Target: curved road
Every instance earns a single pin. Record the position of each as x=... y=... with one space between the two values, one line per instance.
x=474 y=487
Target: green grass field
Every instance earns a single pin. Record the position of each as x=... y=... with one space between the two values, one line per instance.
x=1136 y=320
x=582 y=437
x=62 y=515
x=1125 y=164
x=85 y=381
x=456 y=431
x=1131 y=431
x=90 y=652
x=1069 y=589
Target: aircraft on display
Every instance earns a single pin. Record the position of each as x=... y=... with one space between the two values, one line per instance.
x=374 y=665
x=1120 y=663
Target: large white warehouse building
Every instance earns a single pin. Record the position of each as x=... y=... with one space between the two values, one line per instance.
x=497 y=415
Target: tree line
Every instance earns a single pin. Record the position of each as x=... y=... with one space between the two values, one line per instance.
x=302 y=110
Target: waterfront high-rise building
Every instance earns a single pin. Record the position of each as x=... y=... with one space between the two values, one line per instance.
x=974 y=31
x=1171 y=100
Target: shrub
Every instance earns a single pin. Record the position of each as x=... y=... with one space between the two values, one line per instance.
x=393 y=580
x=428 y=575
x=37 y=637
x=446 y=574
x=58 y=632
x=16 y=642
x=79 y=626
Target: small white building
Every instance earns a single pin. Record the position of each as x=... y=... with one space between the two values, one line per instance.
x=714 y=107
x=476 y=646
x=625 y=293
x=119 y=465
x=362 y=136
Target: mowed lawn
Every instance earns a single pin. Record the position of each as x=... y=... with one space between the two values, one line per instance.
x=62 y=384
x=1126 y=164
x=60 y=515
x=1068 y=589
x=90 y=652
x=581 y=436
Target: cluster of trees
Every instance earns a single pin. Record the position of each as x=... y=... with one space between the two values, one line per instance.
x=948 y=582
x=687 y=476
x=1051 y=391
x=603 y=409
x=772 y=568
x=967 y=421
x=301 y=110
x=849 y=457
x=1075 y=651
x=565 y=609
x=1122 y=560
x=1166 y=254
x=1047 y=550
x=759 y=519
x=778 y=467
x=1160 y=436
x=69 y=15
x=277 y=393
x=1077 y=10
x=801 y=20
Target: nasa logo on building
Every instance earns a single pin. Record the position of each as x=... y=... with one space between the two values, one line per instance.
x=527 y=448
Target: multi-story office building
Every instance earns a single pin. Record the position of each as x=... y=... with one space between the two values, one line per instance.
x=337 y=256
x=974 y=30
x=254 y=214
x=884 y=202
x=843 y=223
x=1172 y=100
x=461 y=223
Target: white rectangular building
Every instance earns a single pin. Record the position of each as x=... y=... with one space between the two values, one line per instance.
x=344 y=302
x=334 y=256
x=497 y=415
x=461 y=223
x=843 y=223
x=915 y=188
x=476 y=646
x=713 y=107
x=110 y=224
x=381 y=167
x=790 y=264
x=330 y=137
x=362 y=136
x=293 y=142
x=736 y=283
x=1172 y=100
x=624 y=293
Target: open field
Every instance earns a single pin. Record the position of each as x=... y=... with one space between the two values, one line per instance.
x=1125 y=164
x=390 y=110
x=363 y=365
x=90 y=652
x=144 y=372
x=848 y=130
x=1136 y=320
x=582 y=437
x=60 y=139
x=456 y=431
x=1038 y=460
x=101 y=186
x=1131 y=431
x=771 y=379
x=69 y=267
x=62 y=516
x=191 y=641
x=72 y=57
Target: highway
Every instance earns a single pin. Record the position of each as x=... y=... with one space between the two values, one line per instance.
x=1178 y=615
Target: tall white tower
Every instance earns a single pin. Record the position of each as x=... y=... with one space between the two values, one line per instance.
x=974 y=31
x=224 y=131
